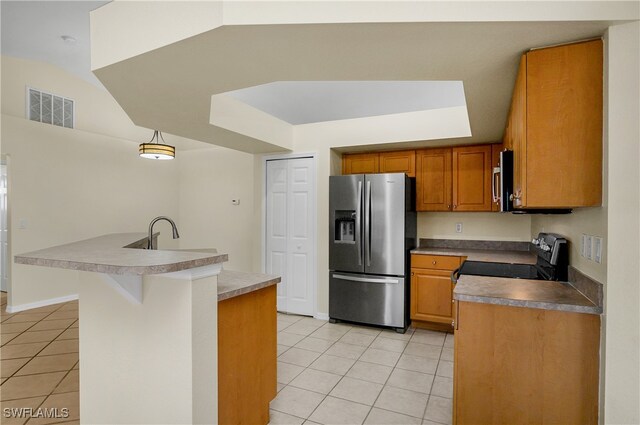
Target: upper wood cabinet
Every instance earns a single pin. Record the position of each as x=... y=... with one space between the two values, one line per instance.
x=380 y=162
x=555 y=127
x=398 y=162
x=454 y=179
x=472 y=178
x=360 y=163
x=433 y=179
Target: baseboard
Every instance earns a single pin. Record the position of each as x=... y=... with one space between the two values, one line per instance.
x=321 y=316
x=43 y=303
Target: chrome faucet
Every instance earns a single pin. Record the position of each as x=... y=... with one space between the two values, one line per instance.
x=150 y=238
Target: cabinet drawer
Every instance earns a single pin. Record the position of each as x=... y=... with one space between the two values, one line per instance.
x=441 y=262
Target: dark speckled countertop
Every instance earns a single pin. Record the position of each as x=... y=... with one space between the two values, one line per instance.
x=487 y=255
x=543 y=294
x=547 y=295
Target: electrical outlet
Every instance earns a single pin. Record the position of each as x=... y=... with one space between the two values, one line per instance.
x=458 y=227
x=597 y=249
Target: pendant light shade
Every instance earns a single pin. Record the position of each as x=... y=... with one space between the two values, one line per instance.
x=153 y=149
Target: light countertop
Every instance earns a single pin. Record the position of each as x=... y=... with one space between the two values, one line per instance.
x=232 y=283
x=108 y=254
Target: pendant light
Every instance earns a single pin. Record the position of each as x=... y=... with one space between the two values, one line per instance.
x=156 y=150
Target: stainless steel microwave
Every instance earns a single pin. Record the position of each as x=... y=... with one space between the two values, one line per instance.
x=502 y=182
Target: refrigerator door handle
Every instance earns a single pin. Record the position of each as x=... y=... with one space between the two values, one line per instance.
x=367 y=224
x=358 y=227
x=365 y=279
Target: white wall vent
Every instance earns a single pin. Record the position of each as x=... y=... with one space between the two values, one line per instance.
x=50 y=108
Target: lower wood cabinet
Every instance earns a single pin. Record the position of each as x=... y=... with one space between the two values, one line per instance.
x=516 y=365
x=247 y=357
x=432 y=290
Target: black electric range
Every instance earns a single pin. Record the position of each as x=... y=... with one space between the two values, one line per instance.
x=552 y=263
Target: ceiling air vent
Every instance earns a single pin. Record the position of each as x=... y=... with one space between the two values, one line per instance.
x=49 y=108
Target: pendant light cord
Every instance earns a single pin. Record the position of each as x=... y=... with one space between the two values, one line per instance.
x=157 y=135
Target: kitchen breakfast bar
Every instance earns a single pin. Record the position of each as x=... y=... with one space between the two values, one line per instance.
x=155 y=328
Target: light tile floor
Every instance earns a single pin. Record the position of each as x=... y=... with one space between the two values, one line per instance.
x=327 y=373
x=39 y=364
x=347 y=374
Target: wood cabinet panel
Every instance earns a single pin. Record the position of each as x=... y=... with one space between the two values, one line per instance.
x=555 y=127
x=524 y=365
x=442 y=262
x=518 y=134
x=432 y=290
x=398 y=162
x=360 y=163
x=247 y=357
x=431 y=295
x=472 y=178
x=564 y=126
x=433 y=179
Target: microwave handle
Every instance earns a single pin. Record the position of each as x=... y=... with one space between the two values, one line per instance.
x=494 y=191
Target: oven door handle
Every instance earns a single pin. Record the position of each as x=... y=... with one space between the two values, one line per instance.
x=455 y=275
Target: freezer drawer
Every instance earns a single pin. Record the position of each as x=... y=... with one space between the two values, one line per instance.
x=368 y=299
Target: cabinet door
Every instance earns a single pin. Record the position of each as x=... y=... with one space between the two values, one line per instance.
x=433 y=180
x=431 y=295
x=564 y=126
x=472 y=178
x=360 y=163
x=398 y=162
x=495 y=185
x=518 y=134
x=522 y=365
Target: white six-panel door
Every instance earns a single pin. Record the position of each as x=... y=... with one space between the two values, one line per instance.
x=290 y=227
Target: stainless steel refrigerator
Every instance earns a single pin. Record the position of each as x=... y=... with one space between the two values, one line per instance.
x=372 y=224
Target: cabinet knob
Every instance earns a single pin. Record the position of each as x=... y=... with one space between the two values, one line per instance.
x=448 y=206
x=434 y=263
x=412 y=273
x=455 y=206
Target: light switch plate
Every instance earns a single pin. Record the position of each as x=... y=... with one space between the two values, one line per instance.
x=597 y=249
x=588 y=248
x=235 y=201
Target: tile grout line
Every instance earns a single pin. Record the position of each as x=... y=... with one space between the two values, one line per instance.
x=43 y=348
x=345 y=374
x=46 y=397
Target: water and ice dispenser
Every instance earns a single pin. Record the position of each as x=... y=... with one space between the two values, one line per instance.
x=345 y=227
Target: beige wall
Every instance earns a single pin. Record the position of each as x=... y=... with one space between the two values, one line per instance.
x=478 y=226
x=590 y=221
x=209 y=179
x=622 y=291
x=72 y=184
